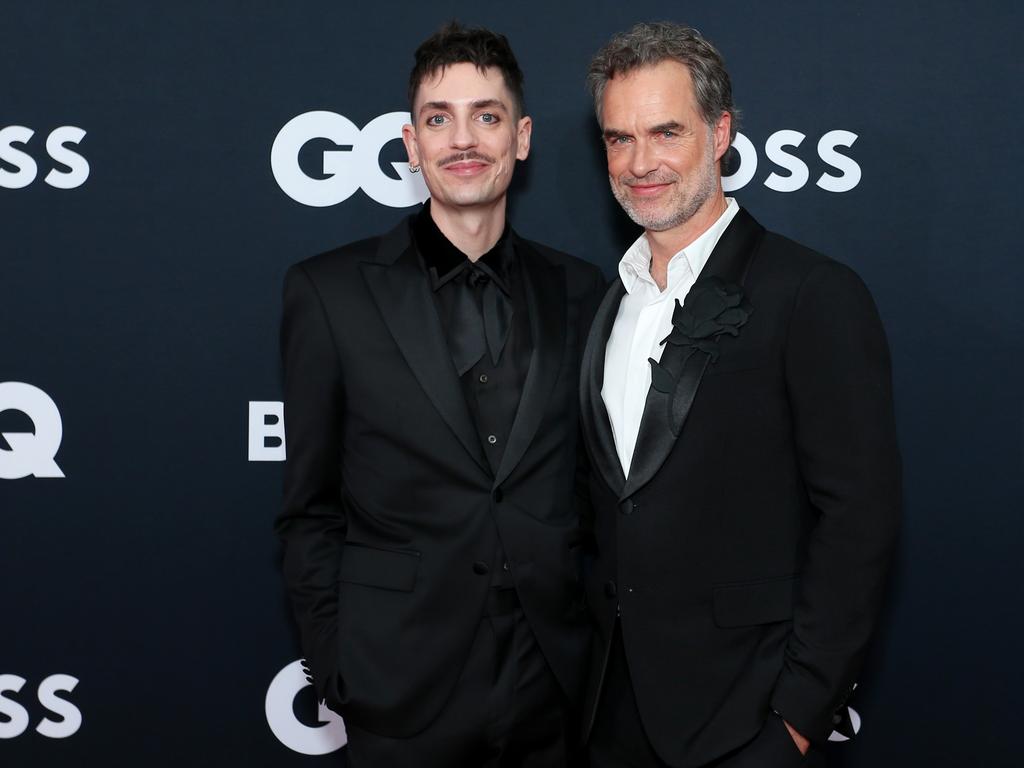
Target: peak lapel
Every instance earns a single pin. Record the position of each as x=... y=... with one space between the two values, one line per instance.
x=400 y=289
x=545 y=291
x=597 y=428
x=729 y=261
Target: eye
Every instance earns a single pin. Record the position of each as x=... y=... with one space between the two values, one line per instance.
x=436 y=120
x=668 y=134
x=488 y=117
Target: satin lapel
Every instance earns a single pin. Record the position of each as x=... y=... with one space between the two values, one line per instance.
x=729 y=261
x=544 y=286
x=597 y=429
x=400 y=290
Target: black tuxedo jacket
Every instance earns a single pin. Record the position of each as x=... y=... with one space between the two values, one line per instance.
x=749 y=544
x=391 y=512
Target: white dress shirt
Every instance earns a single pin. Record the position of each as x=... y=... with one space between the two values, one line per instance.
x=644 y=319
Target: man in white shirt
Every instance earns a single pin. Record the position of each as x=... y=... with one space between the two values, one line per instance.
x=738 y=412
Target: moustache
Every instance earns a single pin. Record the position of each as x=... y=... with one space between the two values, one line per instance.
x=651 y=178
x=463 y=156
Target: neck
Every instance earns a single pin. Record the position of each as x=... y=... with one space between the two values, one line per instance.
x=474 y=231
x=667 y=243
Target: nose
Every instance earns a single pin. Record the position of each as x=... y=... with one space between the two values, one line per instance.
x=463 y=136
x=643 y=159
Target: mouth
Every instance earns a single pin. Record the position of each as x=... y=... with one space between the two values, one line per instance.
x=466 y=167
x=647 y=190
x=466 y=164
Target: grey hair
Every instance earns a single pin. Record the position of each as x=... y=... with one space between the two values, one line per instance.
x=650 y=43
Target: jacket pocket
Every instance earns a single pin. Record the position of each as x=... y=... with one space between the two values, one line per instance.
x=758 y=602
x=382 y=568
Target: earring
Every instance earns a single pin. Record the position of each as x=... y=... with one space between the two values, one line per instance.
x=414 y=168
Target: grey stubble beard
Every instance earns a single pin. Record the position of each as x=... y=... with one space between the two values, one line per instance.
x=687 y=207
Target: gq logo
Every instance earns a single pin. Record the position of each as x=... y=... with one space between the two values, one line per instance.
x=30 y=453
x=353 y=164
x=14 y=718
x=847 y=727
x=296 y=735
x=25 y=166
x=845 y=723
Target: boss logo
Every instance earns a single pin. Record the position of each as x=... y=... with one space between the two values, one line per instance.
x=15 y=720
x=289 y=730
x=841 y=174
x=266 y=430
x=72 y=169
x=30 y=453
x=354 y=163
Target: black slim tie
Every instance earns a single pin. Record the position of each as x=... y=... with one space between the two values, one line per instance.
x=481 y=318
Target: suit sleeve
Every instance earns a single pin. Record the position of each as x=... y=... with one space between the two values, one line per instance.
x=311 y=524
x=838 y=377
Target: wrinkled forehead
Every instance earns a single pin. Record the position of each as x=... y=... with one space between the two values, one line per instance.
x=653 y=92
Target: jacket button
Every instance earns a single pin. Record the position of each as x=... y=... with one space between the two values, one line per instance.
x=497 y=495
x=480 y=568
x=627 y=507
x=610 y=589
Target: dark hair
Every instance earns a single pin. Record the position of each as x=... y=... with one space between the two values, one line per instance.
x=649 y=44
x=456 y=44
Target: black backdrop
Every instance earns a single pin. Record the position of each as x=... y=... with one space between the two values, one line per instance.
x=142 y=617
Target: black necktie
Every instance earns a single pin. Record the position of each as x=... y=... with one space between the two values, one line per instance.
x=481 y=318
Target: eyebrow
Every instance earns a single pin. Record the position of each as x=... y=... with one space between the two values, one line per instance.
x=478 y=104
x=671 y=125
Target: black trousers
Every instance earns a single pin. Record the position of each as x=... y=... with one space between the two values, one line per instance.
x=506 y=711
x=618 y=739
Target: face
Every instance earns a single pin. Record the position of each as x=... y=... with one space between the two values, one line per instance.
x=466 y=136
x=662 y=156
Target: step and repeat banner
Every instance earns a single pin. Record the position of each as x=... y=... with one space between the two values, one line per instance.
x=161 y=165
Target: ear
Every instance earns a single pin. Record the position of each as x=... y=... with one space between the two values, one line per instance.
x=722 y=133
x=524 y=129
x=411 y=148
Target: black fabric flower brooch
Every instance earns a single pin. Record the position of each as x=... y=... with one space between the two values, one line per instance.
x=712 y=309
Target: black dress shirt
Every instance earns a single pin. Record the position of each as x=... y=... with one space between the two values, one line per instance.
x=492 y=389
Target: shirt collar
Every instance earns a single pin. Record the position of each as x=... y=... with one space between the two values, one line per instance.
x=444 y=261
x=635 y=265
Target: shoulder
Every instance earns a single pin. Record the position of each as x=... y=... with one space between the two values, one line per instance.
x=339 y=266
x=801 y=267
x=338 y=260
x=818 y=294
x=329 y=276
x=581 y=276
x=781 y=254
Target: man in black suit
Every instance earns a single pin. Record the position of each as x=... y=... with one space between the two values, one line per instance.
x=737 y=408
x=430 y=520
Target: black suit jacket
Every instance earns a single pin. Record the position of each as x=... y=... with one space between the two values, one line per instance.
x=391 y=512
x=749 y=545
